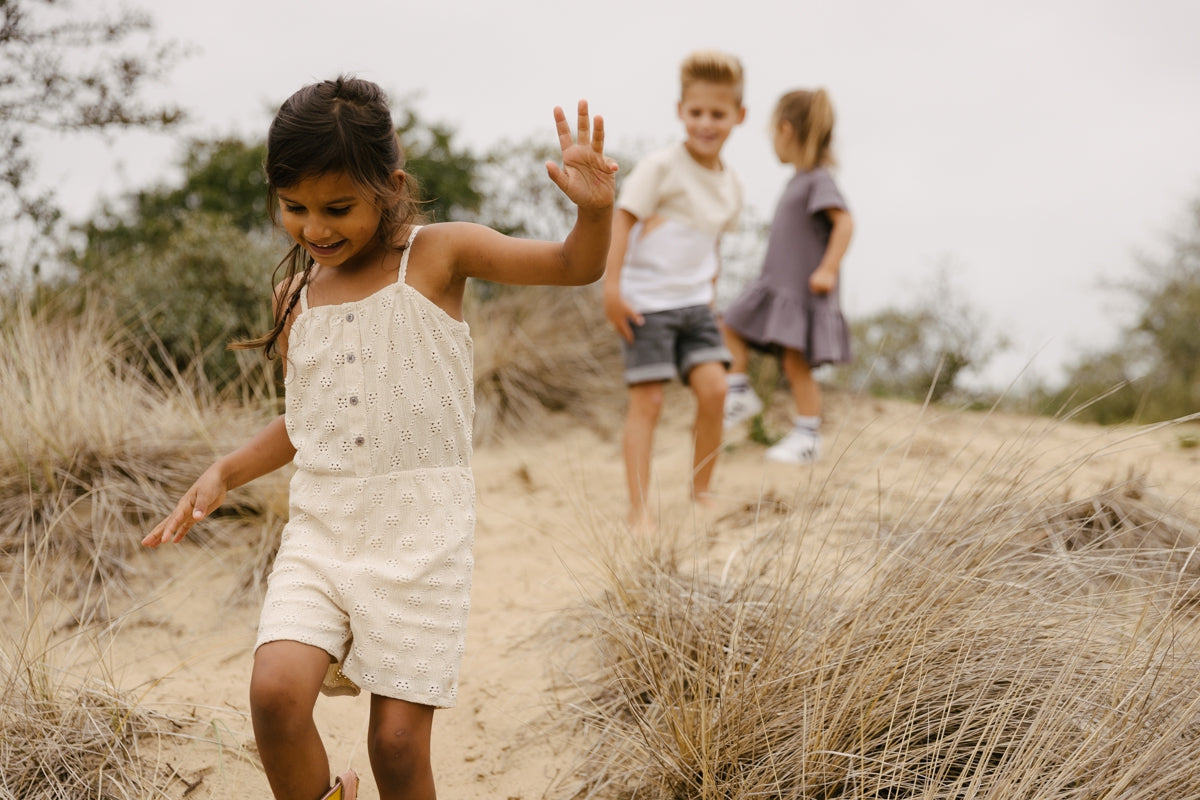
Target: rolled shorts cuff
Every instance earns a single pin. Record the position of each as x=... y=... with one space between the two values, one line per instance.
x=648 y=373
x=695 y=358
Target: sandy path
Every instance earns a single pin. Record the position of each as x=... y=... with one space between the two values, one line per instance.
x=548 y=505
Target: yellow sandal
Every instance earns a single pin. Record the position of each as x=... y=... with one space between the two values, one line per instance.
x=345 y=787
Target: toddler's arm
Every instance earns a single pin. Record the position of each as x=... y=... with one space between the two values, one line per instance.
x=267 y=451
x=825 y=277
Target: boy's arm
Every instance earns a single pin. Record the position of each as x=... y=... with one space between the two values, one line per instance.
x=267 y=451
x=619 y=312
x=717 y=274
x=825 y=277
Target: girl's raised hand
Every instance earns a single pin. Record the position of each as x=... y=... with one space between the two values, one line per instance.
x=586 y=176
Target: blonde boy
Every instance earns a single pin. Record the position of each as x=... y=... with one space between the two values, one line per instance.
x=662 y=269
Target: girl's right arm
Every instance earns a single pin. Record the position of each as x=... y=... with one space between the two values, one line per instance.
x=267 y=451
x=824 y=278
x=619 y=312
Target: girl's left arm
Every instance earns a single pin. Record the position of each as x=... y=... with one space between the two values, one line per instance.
x=588 y=178
x=825 y=277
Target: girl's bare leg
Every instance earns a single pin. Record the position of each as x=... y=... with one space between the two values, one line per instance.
x=283 y=690
x=707 y=382
x=806 y=392
x=738 y=348
x=398 y=745
x=645 y=407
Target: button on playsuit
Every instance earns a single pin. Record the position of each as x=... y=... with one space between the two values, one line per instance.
x=375 y=561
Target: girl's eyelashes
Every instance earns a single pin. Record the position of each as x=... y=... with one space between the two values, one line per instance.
x=334 y=211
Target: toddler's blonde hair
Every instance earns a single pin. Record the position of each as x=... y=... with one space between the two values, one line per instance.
x=810 y=115
x=711 y=66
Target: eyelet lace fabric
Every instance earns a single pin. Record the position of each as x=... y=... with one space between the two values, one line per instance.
x=375 y=561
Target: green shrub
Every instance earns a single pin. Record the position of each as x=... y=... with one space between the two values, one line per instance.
x=208 y=284
x=922 y=351
x=1153 y=374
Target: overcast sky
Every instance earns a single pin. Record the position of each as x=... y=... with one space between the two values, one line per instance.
x=1031 y=148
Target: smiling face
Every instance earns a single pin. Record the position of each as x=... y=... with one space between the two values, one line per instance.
x=709 y=112
x=331 y=217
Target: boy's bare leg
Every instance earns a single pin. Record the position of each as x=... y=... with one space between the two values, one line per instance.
x=645 y=407
x=806 y=392
x=707 y=382
x=399 y=748
x=284 y=684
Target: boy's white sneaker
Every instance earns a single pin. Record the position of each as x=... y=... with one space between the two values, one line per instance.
x=740 y=406
x=798 y=447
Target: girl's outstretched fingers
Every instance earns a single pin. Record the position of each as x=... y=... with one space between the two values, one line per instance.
x=586 y=175
x=598 y=136
x=583 y=133
x=175 y=526
x=205 y=494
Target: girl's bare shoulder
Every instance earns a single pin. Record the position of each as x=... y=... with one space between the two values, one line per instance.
x=446 y=246
x=451 y=236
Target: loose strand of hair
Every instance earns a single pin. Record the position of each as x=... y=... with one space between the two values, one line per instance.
x=297 y=261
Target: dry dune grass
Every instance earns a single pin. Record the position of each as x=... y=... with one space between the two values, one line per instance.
x=66 y=731
x=941 y=620
x=990 y=644
x=94 y=447
x=524 y=364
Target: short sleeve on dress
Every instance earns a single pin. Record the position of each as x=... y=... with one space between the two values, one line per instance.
x=824 y=193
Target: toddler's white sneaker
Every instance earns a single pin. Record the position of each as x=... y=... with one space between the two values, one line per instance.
x=798 y=447
x=740 y=405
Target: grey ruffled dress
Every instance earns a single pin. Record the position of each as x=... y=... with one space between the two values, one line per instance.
x=777 y=310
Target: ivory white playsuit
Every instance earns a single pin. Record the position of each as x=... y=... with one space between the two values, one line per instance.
x=375 y=561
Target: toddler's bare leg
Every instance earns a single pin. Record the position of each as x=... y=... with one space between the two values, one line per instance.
x=399 y=748
x=707 y=382
x=645 y=407
x=283 y=690
x=806 y=392
x=737 y=346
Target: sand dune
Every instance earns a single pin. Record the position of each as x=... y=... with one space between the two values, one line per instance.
x=551 y=501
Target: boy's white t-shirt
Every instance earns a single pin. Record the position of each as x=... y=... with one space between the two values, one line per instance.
x=674 y=263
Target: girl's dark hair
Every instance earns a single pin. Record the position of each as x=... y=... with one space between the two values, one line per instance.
x=810 y=114
x=342 y=125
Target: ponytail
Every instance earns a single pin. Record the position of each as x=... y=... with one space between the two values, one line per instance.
x=810 y=115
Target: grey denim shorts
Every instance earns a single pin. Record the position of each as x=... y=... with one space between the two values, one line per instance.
x=669 y=344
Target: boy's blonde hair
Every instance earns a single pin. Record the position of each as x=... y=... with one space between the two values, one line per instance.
x=711 y=66
x=810 y=115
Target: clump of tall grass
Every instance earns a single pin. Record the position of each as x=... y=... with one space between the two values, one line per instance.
x=95 y=445
x=538 y=349
x=1001 y=646
x=66 y=731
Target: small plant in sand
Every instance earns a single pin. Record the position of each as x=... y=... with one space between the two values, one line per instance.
x=66 y=731
x=997 y=643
